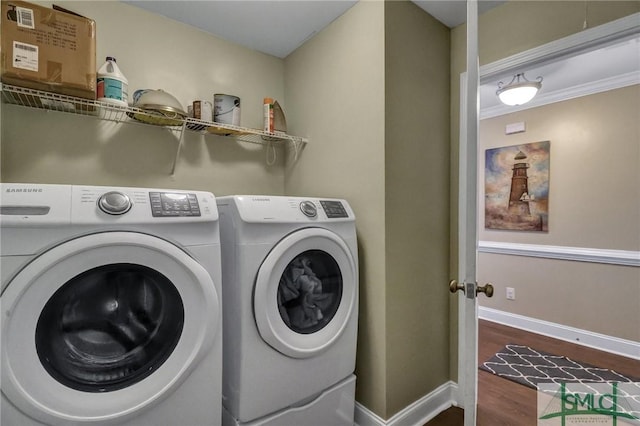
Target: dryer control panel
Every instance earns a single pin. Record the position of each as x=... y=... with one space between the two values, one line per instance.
x=279 y=209
x=333 y=209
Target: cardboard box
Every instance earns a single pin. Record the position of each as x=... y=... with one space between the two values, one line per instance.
x=47 y=49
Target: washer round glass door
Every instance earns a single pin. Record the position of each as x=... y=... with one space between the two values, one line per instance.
x=305 y=292
x=102 y=326
x=109 y=327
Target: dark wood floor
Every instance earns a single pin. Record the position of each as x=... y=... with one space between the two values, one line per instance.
x=502 y=402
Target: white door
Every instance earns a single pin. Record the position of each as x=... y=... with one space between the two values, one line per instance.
x=305 y=292
x=103 y=326
x=466 y=284
x=585 y=40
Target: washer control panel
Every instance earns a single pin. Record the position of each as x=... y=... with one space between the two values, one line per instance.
x=62 y=205
x=141 y=205
x=170 y=204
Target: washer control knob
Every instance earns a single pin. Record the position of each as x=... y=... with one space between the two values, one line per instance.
x=308 y=208
x=114 y=202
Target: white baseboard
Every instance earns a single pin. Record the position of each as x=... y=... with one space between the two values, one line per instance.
x=415 y=414
x=602 y=342
x=445 y=396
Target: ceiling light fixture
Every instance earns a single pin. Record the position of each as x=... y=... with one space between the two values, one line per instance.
x=519 y=91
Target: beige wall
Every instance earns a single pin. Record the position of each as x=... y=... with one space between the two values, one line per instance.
x=416 y=203
x=593 y=203
x=594 y=173
x=153 y=52
x=508 y=29
x=371 y=91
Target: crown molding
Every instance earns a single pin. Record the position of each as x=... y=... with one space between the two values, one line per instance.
x=591 y=38
x=591 y=88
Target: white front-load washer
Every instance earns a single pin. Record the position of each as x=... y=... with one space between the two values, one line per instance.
x=290 y=291
x=111 y=311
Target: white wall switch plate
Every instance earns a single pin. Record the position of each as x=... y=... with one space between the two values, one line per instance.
x=511 y=293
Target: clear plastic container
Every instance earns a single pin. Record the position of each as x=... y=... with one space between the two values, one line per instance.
x=113 y=86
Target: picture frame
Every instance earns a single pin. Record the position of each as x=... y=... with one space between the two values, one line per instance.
x=516 y=186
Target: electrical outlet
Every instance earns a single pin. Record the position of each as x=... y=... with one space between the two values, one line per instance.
x=511 y=293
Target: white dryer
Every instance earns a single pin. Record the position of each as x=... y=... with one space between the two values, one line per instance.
x=290 y=291
x=110 y=306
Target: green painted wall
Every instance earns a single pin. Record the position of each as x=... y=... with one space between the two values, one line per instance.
x=416 y=203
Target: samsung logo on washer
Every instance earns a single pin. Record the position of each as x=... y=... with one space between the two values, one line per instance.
x=24 y=190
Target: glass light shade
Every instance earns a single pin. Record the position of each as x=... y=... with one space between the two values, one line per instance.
x=517 y=95
x=519 y=91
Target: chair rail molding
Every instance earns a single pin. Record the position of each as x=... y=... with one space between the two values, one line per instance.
x=577 y=254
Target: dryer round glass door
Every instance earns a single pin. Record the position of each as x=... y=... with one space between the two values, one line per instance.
x=305 y=292
x=310 y=291
x=101 y=327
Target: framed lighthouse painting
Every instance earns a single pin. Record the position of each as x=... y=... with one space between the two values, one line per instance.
x=516 y=187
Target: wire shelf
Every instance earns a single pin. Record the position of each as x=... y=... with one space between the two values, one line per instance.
x=105 y=111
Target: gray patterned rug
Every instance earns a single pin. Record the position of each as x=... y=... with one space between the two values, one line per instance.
x=529 y=367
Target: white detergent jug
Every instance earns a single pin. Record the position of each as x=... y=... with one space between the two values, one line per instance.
x=113 y=86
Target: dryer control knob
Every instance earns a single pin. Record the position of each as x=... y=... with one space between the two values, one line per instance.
x=114 y=202
x=308 y=208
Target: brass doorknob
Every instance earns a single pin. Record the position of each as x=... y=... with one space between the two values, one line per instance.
x=455 y=286
x=487 y=289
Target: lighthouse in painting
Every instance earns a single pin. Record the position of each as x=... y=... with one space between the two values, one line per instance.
x=519 y=196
